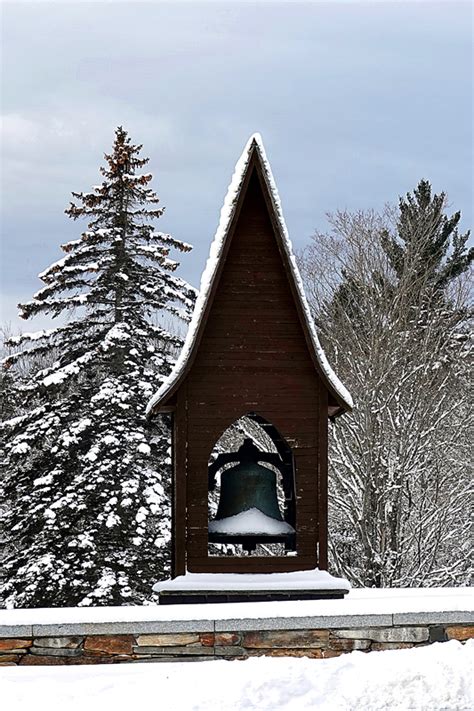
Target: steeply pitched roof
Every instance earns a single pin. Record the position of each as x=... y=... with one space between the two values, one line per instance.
x=253 y=148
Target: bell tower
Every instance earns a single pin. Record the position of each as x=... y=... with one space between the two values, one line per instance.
x=252 y=369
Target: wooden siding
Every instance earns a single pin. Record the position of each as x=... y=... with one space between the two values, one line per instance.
x=252 y=357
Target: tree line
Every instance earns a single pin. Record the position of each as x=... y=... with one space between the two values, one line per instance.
x=86 y=481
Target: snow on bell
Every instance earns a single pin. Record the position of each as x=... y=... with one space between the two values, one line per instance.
x=248 y=486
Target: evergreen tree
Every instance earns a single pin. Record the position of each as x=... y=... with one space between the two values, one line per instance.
x=87 y=481
x=427 y=249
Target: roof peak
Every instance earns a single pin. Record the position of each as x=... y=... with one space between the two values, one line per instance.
x=255 y=137
x=217 y=247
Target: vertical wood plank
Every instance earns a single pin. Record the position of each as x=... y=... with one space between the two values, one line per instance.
x=323 y=479
x=180 y=439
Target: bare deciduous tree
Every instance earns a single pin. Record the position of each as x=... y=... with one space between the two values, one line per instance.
x=399 y=505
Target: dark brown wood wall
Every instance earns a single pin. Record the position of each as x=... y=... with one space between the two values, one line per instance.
x=253 y=356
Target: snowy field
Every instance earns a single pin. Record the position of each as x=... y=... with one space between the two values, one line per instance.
x=432 y=678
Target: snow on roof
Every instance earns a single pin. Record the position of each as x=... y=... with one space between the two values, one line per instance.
x=227 y=213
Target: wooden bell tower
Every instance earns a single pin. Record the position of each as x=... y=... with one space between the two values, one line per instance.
x=251 y=350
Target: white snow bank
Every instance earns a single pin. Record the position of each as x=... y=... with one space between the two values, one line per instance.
x=434 y=677
x=209 y=274
x=360 y=601
x=298 y=580
x=250 y=522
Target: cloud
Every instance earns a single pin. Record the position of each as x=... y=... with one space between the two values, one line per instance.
x=355 y=103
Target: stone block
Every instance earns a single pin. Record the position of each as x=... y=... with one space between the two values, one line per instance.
x=207 y=640
x=18 y=631
x=173 y=651
x=93 y=653
x=293 y=652
x=303 y=623
x=169 y=660
x=401 y=634
x=387 y=634
x=116 y=628
x=330 y=653
x=29 y=660
x=5 y=658
x=437 y=633
x=50 y=652
x=165 y=640
x=286 y=639
x=353 y=633
x=342 y=644
x=14 y=643
x=230 y=651
x=461 y=618
x=226 y=639
x=361 y=645
x=12 y=651
x=380 y=646
x=95 y=659
x=117 y=644
x=58 y=642
x=460 y=632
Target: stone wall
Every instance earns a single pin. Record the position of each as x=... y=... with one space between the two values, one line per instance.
x=189 y=645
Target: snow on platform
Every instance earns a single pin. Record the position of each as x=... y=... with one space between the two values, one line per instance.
x=434 y=677
x=232 y=582
x=363 y=606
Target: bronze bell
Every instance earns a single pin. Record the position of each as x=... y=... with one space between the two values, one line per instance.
x=248 y=485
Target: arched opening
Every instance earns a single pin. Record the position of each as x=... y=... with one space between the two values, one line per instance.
x=251 y=493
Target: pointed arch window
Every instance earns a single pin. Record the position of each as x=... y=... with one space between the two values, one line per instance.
x=251 y=499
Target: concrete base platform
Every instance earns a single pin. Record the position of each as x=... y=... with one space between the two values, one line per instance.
x=180 y=597
x=251 y=587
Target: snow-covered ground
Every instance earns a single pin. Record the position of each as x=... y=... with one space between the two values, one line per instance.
x=433 y=678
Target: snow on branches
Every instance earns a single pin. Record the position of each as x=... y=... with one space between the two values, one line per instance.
x=390 y=300
x=87 y=479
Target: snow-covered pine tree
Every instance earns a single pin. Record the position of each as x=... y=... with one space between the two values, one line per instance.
x=87 y=481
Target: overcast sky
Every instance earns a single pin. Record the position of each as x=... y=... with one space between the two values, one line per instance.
x=356 y=101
